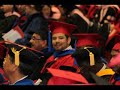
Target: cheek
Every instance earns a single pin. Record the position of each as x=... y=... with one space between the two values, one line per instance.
x=35 y=43
x=5 y=60
x=64 y=41
x=39 y=43
x=5 y=65
x=53 y=42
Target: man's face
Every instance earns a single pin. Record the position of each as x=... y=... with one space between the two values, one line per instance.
x=21 y=8
x=60 y=41
x=37 y=43
x=7 y=8
x=46 y=11
x=56 y=12
x=29 y=9
x=8 y=65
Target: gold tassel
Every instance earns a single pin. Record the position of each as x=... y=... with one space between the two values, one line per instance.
x=17 y=53
x=91 y=55
x=92 y=61
x=17 y=61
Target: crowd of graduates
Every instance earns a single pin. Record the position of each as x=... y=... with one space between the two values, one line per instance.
x=60 y=44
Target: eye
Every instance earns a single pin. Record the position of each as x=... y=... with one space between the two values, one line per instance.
x=61 y=37
x=34 y=38
x=53 y=38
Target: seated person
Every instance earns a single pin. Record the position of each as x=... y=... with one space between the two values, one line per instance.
x=19 y=63
x=89 y=58
x=115 y=61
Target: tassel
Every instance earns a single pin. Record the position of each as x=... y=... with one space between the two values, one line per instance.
x=92 y=61
x=17 y=61
x=17 y=53
x=91 y=55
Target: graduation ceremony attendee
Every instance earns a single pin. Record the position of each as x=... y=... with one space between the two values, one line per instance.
x=46 y=11
x=19 y=63
x=35 y=22
x=3 y=78
x=40 y=41
x=115 y=62
x=57 y=13
x=61 y=43
x=10 y=17
x=114 y=30
x=106 y=13
x=23 y=17
x=89 y=57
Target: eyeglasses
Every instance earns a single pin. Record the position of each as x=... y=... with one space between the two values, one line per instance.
x=34 y=38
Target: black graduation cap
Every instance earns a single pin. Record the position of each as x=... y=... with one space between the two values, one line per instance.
x=24 y=57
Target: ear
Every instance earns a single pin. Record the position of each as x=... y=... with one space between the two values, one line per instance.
x=69 y=40
x=44 y=43
x=14 y=67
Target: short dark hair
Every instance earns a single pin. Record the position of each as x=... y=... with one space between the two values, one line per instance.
x=26 y=67
x=43 y=34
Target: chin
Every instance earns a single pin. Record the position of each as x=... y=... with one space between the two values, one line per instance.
x=58 y=49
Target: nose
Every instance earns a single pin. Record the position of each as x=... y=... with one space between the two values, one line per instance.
x=31 y=40
x=4 y=61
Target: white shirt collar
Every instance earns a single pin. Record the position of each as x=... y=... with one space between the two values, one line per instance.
x=68 y=48
x=20 y=79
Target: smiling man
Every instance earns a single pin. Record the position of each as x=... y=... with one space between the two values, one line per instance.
x=62 y=57
x=61 y=43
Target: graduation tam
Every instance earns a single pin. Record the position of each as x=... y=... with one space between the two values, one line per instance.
x=61 y=27
x=22 y=54
x=67 y=75
x=88 y=39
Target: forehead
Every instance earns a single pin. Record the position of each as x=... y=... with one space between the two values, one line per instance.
x=36 y=35
x=20 y=6
x=46 y=7
x=58 y=35
x=55 y=9
x=7 y=5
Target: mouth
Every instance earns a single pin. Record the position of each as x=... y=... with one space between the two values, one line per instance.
x=57 y=45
